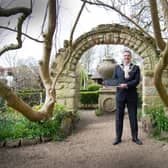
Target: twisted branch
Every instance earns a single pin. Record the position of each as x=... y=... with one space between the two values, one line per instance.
x=9 y=12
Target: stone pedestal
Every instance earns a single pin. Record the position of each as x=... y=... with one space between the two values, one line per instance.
x=107 y=99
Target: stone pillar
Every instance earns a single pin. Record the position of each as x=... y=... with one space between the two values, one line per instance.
x=150 y=94
x=67 y=92
x=150 y=98
x=107 y=99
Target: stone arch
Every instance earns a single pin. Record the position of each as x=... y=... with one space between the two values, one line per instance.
x=115 y=34
x=67 y=90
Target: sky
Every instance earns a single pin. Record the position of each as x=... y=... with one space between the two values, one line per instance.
x=90 y=18
x=30 y=49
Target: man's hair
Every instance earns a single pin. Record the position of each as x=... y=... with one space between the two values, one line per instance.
x=128 y=51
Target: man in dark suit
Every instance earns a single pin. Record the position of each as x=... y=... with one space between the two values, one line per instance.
x=126 y=77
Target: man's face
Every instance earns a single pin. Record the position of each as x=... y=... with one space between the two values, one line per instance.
x=127 y=57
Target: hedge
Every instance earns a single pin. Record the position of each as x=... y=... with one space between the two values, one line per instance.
x=94 y=87
x=31 y=96
x=89 y=97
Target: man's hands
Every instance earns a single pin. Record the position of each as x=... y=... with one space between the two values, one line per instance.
x=122 y=85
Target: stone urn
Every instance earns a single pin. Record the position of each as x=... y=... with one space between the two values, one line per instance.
x=107 y=94
x=106 y=68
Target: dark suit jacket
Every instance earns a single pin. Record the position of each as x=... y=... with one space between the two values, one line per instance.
x=130 y=92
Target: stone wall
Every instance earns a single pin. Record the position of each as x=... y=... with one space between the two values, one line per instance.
x=149 y=92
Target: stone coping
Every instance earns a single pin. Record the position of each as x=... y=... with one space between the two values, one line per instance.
x=23 y=142
x=107 y=89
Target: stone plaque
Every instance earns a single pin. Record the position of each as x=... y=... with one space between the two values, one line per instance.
x=109 y=105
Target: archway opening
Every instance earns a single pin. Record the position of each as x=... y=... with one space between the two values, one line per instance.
x=88 y=63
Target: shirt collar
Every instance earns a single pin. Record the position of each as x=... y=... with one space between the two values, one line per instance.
x=127 y=64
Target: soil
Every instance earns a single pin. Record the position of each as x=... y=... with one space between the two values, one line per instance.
x=90 y=146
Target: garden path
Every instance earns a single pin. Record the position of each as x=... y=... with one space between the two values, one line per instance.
x=90 y=146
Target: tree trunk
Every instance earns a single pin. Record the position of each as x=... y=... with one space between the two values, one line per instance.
x=160 y=66
x=16 y=103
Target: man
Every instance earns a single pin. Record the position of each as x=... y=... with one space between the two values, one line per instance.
x=126 y=76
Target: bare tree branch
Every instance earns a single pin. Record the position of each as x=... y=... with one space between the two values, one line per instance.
x=8 y=3
x=44 y=19
x=100 y=3
x=156 y=25
x=28 y=19
x=148 y=24
x=76 y=22
x=160 y=66
x=14 y=101
x=57 y=21
x=164 y=4
x=69 y=51
x=140 y=11
x=14 y=11
x=26 y=35
x=138 y=3
x=8 y=12
x=48 y=37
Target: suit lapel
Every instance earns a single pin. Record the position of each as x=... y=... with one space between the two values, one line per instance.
x=131 y=67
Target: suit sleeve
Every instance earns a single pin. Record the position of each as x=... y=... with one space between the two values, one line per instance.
x=134 y=82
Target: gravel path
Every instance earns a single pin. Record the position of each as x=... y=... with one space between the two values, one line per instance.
x=90 y=146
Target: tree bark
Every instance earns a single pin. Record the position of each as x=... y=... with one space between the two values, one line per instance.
x=15 y=102
x=156 y=24
x=163 y=61
x=159 y=68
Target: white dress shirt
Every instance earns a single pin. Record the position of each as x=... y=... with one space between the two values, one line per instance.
x=126 y=70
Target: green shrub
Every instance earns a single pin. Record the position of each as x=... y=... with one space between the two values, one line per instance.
x=11 y=111
x=98 y=112
x=94 y=87
x=13 y=125
x=83 y=78
x=160 y=121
